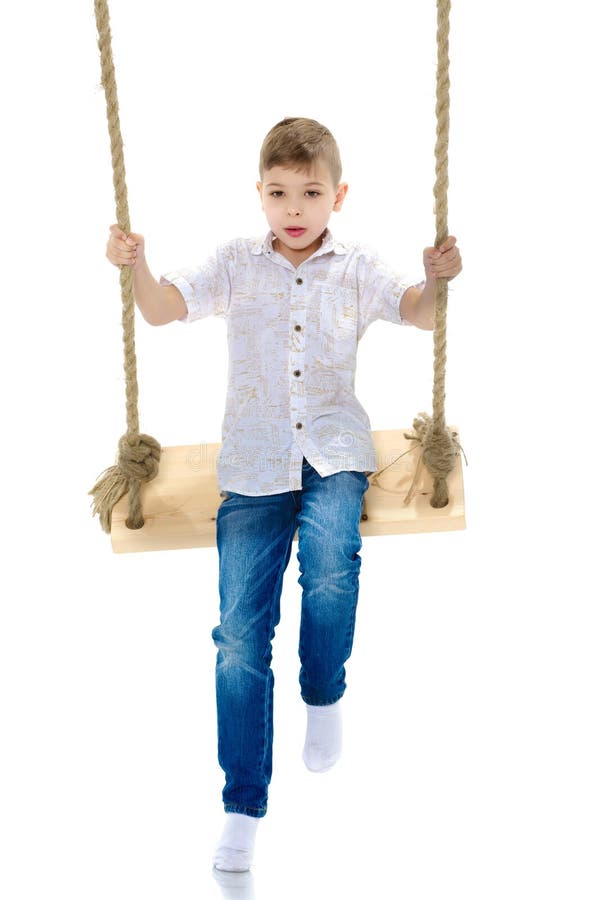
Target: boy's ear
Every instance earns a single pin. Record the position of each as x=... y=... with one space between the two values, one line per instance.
x=341 y=192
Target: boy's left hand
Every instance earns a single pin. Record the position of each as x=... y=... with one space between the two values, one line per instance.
x=443 y=263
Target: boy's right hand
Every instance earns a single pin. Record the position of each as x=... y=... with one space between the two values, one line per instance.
x=124 y=250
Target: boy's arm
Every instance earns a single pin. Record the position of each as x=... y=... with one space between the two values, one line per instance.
x=417 y=306
x=158 y=303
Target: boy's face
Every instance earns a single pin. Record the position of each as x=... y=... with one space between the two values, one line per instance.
x=302 y=200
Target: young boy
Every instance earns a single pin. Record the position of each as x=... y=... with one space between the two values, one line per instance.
x=296 y=446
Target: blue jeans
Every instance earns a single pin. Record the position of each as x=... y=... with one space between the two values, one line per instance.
x=254 y=541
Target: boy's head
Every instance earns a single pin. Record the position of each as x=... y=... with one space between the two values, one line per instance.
x=300 y=171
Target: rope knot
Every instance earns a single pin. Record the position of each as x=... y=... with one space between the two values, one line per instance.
x=438 y=450
x=139 y=456
x=137 y=461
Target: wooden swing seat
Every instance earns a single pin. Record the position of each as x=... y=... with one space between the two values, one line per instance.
x=180 y=505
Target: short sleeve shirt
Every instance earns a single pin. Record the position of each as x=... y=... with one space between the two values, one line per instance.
x=292 y=335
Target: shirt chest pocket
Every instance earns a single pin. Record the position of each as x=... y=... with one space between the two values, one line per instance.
x=338 y=319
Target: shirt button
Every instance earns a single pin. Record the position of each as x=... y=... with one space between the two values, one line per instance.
x=298 y=424
x=299 y=281
x=298 y=327
x=297 y=372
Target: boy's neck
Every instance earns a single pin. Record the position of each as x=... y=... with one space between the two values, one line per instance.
x=296 y=257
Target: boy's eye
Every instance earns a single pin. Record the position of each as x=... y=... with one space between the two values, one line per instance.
x=274 y=193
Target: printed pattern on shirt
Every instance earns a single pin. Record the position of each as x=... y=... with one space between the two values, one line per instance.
x=292 y=337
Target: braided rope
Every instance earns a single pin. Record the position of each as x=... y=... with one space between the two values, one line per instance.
x=438 y=444
x=138 y=454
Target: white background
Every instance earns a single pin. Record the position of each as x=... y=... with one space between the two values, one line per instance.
x=471 y=744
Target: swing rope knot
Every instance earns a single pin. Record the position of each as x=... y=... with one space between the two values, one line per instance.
x=137 y=462
x=139 y=456
x=439 y=446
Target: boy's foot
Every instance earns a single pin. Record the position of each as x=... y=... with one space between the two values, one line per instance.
x=235 y=885
x=323 y=745
x=236 y=848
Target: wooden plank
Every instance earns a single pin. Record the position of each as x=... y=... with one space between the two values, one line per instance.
x=180 y=505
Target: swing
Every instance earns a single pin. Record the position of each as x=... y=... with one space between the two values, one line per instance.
x=166 y=498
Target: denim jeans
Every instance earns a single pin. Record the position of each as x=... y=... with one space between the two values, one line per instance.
x=254 y=541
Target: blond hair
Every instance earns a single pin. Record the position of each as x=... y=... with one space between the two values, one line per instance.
x=297 y=143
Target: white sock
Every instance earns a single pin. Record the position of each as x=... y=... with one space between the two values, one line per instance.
x=235 y=849
x=235 y=885
x=323 y=745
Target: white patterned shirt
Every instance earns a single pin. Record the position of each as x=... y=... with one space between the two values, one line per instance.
x=292 y=336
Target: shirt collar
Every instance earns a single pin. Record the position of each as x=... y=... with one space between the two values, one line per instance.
x=329 y=245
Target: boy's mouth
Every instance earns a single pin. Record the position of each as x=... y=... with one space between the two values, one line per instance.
x=295 y=232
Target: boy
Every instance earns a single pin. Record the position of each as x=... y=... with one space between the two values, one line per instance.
x=296 y=446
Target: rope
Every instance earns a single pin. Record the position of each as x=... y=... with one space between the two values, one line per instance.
x=138 y=454
x=438 y=443
x=439 y=446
